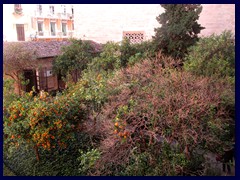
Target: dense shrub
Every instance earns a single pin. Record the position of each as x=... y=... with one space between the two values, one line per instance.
x=8 y=92
x=109 y=58
x=160 y=119
x=43 y=122
x=75 y=57
x=62 y=162
x=144 y=50
x=115 y=56
x=87 y=160
x=213 y=56
x=127 y=50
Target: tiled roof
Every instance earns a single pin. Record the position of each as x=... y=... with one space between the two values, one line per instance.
x=49 y=48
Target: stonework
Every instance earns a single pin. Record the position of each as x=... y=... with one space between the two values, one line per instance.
x=107 y=22
x=217 y=18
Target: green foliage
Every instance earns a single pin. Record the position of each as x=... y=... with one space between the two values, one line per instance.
x=61 y=162
x=115 y=56
x=88 y=159
x=144 y=50
x=74 y=58
x=7 y=171
x=127 y=50
x=213 y=56
x=108 y=60
x=8 y=92
x=179 y=29
x=92 y=88
x=43 y=122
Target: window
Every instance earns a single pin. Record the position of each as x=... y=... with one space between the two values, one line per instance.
x=53 y=28
x=134 y=36
x=40 y=28
x=64 y=9
x=20 y=32
x=51 y=9
x=72 y=11
x=39 y=9
x=64 y=29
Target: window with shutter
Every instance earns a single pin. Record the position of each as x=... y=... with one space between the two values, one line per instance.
x=20 y=32
x=53 y=28
x=64 y=29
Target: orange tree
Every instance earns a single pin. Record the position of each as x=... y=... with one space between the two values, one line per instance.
x=42 y=122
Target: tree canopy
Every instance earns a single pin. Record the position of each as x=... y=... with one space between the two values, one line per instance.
x=179 y=28
x=16 y=58
x=74 y=58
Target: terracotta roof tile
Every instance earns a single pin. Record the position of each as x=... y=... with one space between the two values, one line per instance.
x=50 y=48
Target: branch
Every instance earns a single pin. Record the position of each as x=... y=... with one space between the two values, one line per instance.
x=10 y=76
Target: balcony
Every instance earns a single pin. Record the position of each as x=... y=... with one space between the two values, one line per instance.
x=18 y=9
x=40 y=33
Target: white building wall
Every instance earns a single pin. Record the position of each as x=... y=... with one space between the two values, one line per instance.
x=217 y=18
x=29 y=10
x=106 y=22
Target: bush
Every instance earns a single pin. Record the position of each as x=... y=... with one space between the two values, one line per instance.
x=87 y=160
x=109 y=58
x=213 y=56
x=43 y=122
x=74 y=58
x=8 y=92
x=154 y=111
x=53 y=163
x=143 y=50
x=115 y=56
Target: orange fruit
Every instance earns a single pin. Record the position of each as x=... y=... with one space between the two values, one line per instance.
x=116 y=124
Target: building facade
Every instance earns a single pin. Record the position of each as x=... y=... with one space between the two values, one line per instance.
x=112 y=22
x=28 y=22
x=100 y=22
x=41 y=76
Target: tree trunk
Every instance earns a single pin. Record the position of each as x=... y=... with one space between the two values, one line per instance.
x=37 y=153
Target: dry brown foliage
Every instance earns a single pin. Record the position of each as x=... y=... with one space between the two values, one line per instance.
x=152 y=105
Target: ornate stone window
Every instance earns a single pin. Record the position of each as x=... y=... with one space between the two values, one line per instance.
x=134 y=36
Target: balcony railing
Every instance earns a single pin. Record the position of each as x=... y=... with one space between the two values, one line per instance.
x=40 y=33
x=18 y=10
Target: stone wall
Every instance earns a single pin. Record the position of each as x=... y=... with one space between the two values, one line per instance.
x=106 y=22
x=217 y=18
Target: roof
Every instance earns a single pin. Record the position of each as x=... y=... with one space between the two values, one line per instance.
x=50 y=48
